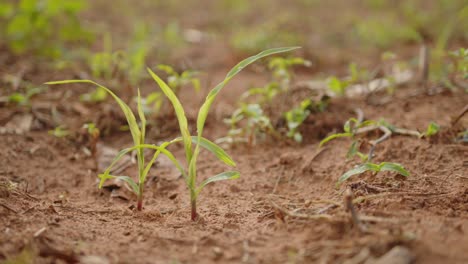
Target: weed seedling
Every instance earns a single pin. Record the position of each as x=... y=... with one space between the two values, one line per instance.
x=384 y=166
x=177 y=80
x=256 y=124
x=191 y=154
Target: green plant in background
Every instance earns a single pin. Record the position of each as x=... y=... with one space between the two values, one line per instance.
x=297 y=115
x=128 y=64
x=383 y=32
x=384 y=166
x=59 y=132
x=281 y=69
x=256 y=38
x=191 y=154
x=249 y=121
x=177 y=80
x=41 y=26
x=102 y=64
x=338 y=86
x=152 y=103
x=23 y=98
x=246 y=124
x=460 y=58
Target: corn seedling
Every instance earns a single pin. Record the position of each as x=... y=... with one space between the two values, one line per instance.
x=138 y=132
x=191 y=154
x=384 y=166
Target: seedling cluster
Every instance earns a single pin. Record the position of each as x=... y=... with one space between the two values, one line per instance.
x=138 y=132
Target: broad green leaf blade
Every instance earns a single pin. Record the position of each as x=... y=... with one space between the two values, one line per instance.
x=357 y=170
x=228 y=175
x=179 y=110
x=334 y=136
x=132 y=123
x=398 y=168
x=215 y=149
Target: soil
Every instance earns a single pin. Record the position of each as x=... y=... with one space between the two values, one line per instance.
x=285 y=207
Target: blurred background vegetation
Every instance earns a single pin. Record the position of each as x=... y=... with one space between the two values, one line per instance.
x=116 y=40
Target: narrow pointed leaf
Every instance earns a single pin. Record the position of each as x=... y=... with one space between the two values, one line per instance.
x=228 y=175
x=179 y=110
x=398 y=168
x=215 y=149
x=334 y=136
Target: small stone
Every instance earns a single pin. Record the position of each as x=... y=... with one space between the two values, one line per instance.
x=173 y=196
x=218 y=252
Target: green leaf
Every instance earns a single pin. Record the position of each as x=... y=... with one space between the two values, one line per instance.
x=357 y=170
x=384 y=166
x=228 y=175
x=389 y=166
x=105 y=176
x=179 y=110
x=431 y=130
x=331 y=137
x=215 y=149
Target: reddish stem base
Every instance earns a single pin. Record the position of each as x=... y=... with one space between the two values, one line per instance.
x=140 y=204
x=194 y=211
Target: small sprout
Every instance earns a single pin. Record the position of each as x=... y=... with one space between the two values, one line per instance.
x=296 y=117
x=59 y=132
x=431 y=130
x=256 y=124
x=152 y=103
x=92 y=130
x=281 y=68
x=23 y=99
x=96 y=96
x=177 y=80
x=384 y=166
